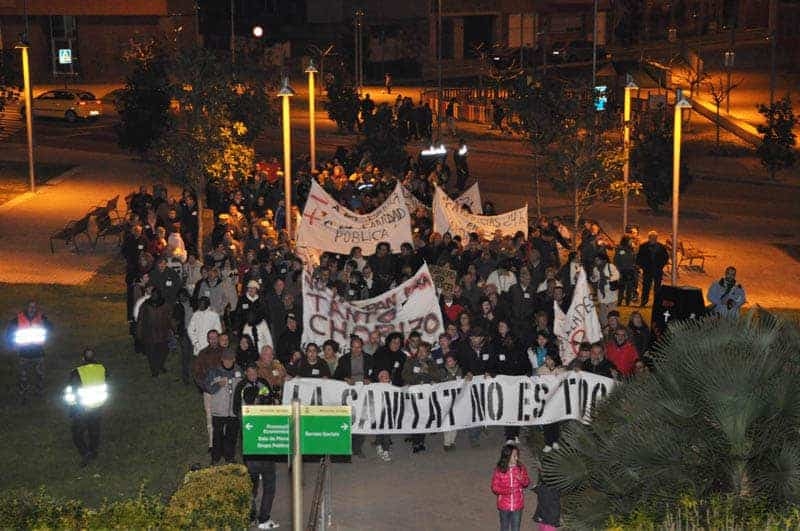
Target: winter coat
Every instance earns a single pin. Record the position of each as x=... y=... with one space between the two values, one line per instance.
x=222 y=397
x=652 y=257
x=155 y=323
x=510 y=488
x=199 y=325
x=622 y=356
x=416 y=371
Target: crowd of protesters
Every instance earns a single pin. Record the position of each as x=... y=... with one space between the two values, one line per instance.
x=232 y=311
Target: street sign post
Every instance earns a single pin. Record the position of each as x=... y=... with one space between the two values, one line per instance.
x=324 y=430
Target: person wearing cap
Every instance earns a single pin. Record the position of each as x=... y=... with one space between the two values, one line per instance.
x=251 y=301
x=254 y=390
x=652 y=257
x=391 y=358
x=85 y=396
x=289 y=341
x=220 y=383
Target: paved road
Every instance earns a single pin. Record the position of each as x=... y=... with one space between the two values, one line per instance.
x=433 y=491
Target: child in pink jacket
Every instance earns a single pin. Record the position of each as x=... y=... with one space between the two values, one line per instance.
x=509 y=482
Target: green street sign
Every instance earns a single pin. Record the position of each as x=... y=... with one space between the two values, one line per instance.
x=324 y=430
x=266 y=430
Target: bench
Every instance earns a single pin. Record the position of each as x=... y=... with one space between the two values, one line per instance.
x=111 y=207
x=106 y=227
x=689 y=253
x=69 y=234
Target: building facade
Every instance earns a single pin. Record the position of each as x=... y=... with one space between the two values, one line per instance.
x=84 y=40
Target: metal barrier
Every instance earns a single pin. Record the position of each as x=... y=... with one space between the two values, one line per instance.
x=320 y=517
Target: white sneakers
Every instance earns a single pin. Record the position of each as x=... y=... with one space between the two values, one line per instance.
x=269 y=524
x=384 y=454
x=547 y=449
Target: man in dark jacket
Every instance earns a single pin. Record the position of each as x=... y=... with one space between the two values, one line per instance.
x=598 y=364
x=475 y=359
x=289 y=341
x=652 y=257
x=356 y=366
x=384 y=267
x=390 y=358
x=257 y=391
x=166 y=280
x=522 y=298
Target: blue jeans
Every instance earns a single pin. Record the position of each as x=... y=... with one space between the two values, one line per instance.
x=510 y=520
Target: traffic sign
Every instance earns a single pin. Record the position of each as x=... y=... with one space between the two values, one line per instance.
x=266 y=430
x=324 y=430
x=65 y=56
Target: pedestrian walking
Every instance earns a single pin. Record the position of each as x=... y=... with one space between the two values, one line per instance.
x=27 y=334
x=387 y=82
x=85 y=396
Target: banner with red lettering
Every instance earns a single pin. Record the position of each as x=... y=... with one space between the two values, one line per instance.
x=579 y=324
x=329 y=226
x=411 y=306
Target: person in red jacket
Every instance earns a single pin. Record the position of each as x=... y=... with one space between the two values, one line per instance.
x=621 y=352
x=509 y=482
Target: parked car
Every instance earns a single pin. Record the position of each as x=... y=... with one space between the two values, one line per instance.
x=70 y=105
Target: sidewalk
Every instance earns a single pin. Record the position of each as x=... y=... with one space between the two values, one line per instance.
x=27 y=222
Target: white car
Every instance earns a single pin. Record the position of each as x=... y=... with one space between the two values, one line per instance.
x=67 y=104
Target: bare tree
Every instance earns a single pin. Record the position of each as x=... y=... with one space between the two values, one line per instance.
x=720 y=90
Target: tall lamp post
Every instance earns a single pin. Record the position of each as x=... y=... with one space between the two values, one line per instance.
x=680 y=104
x=626 y=139
x=439 y=71
x=285 y=93
x=26 y=76
x=312 y=126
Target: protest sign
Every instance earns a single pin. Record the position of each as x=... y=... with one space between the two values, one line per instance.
x=579 y=324
x=448 y=217
x=455 y=405
x=444 y=278
x=471 y=198
x=411 y=306
x=328 y=226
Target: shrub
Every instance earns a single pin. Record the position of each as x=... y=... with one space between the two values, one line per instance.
x=719 y=415
x=216 y=497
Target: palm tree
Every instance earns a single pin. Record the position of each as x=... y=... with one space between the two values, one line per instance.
x=720 y=414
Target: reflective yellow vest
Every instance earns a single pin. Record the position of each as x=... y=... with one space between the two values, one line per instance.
x=92 y=374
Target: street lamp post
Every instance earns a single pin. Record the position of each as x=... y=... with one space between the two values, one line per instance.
x=680 y=104
x=626 y=168
x=285 y=93
x=312 y=127
x=439 y=72
x=26 y=76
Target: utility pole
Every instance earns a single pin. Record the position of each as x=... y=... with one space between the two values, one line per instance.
x=730 y=56
x=773 y=35
x=594 y=47
x=233 y=34
x=439 y=72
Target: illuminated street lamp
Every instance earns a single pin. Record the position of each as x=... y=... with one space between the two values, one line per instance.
x=26 y=76
x=285 y=93
x=680 y=104
x=258 y=32
x=626 y=168
x=312 y=128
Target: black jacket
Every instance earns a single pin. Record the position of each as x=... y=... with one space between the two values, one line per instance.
x=652 y=258
x=509 y=358
x=473 y=362
x=386 y=360
x=603 y=368
x=344 y=369
x=319 y=370
x=287 y=343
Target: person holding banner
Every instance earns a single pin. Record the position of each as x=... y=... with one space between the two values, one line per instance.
x=476 y=358
x=383 y=442
x=390 y=358
x=313 y=366
x=551 y=367
x=420 y=369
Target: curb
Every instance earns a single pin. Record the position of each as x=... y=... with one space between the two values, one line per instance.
x=24 y=197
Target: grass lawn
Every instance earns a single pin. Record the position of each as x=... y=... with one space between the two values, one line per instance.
x=14 y=177
x=152 y=431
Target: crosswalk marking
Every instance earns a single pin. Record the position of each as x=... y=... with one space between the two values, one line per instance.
x=10 y=120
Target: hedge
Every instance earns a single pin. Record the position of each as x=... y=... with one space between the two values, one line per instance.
x=216 y=497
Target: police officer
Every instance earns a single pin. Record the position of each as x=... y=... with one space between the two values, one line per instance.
x=86 y=394
x=27 y=334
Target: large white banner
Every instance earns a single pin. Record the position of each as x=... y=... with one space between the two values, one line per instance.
x=579 y=324
x=448 y=217
x=328 y=226
x=471 y=198
x=455 y=405
x=411 y=306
